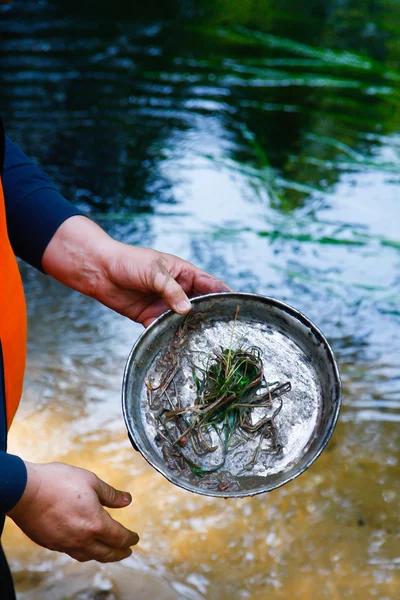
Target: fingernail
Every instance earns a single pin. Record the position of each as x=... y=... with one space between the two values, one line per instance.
x=183 y=306
x=137 y=540
x=127 y=498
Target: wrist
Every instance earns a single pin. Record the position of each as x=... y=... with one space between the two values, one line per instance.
x=30 y=493
x=76 y=255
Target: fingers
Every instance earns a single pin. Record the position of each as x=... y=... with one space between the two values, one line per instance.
x=203 y=283
x=100 y=552
x=169 y=282
x=190 y=279
x=150 y=312
x=107 y=530
x=115 y=535
x=190 y=282
x=109 y=496
x=166 y=286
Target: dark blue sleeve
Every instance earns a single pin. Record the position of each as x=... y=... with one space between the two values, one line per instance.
x=13 y=479
x=13 y=474
x=34 y=207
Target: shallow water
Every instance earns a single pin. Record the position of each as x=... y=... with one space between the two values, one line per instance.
x=262 y=142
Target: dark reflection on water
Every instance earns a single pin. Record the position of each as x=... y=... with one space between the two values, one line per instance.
x=260 y=140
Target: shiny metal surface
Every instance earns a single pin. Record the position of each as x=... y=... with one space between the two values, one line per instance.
x=292 y=349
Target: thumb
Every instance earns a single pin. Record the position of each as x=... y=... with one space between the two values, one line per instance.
x=110 y=497
x=170 y=290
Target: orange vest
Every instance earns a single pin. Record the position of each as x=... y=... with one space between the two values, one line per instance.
x=12 y=319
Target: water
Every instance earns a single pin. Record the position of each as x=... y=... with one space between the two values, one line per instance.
x=262 y=142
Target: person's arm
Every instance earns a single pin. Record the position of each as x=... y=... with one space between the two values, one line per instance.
x=139 y=283
x=35 y=209
x=51 y=234
x=58 y=506
x=62 y=509
x=61 y=506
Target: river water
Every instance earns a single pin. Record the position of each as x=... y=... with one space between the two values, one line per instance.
x=260 y=140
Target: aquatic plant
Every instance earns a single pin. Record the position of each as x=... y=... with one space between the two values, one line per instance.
x=228 y=389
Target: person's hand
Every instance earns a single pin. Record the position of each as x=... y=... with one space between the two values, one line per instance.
x=62 y=509
x=139 y=283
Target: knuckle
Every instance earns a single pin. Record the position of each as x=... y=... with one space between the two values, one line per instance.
x=112 y=493
x=95 y=527
x=160 y=282
x=160 y=275
x=74 y=544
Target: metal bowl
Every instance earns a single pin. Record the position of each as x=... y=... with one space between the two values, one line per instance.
x=292 y=349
